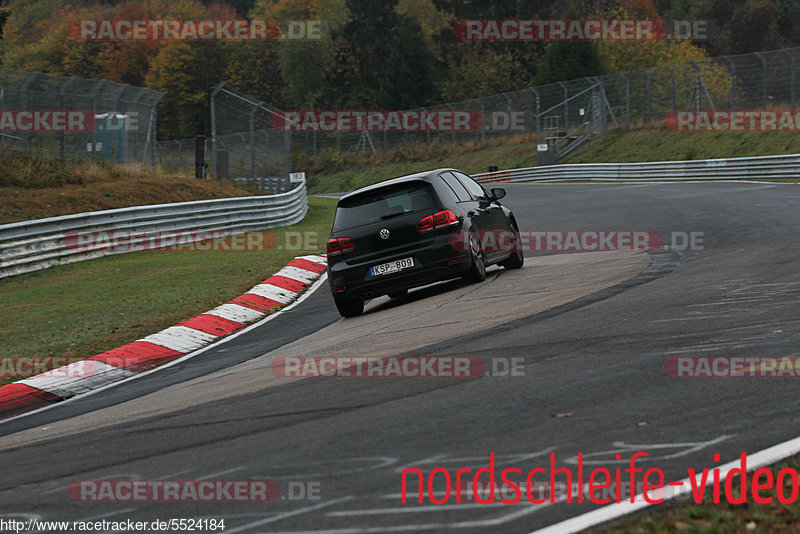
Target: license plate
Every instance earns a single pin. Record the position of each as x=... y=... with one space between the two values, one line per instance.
x=391 y=267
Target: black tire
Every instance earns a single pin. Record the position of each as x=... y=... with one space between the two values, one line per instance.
x=349 y=307
x=517 y=258
x=477 y=268
x=398 y=294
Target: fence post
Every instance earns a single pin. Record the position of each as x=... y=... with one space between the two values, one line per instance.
x=24 y=101
x=288 y=152
x=791 y=77
x=452 y=132
x=214 y=166
x=252 y=121
x=763 y=77
x=536 y=93
x=180 y=154
x=93 y=95
x=627 y=100
x=566 y=106
x=483 y=115
x=732 y=66
x=200 y=156
x=61 y=91
x=672 y=76
x=135 y=106
x=649 y=103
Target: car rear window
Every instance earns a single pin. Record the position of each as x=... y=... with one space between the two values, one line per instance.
x=373 y=206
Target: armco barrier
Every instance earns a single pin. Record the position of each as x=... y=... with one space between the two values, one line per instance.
x=753 y=168
x=32 y=245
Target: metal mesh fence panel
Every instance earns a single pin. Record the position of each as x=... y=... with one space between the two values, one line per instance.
x=120 y=123
x=246 y=145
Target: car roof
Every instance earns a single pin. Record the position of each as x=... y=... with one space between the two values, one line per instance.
x=424 y=176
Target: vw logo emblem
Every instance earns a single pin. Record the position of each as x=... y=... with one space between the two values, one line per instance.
x=384 y=234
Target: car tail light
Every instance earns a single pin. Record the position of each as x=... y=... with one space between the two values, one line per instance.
x=426 y=224
x=444 y=218
x=437 y=220
x=338 y=245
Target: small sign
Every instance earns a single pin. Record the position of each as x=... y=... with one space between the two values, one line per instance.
x=296 y=177
x=582 y=112
x=542 y=147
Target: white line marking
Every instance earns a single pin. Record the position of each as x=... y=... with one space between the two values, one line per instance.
x=218 y=473
x=626 y=447
x=287 y=514
x=225 y=339
x=756 y=460
x=429 y=526
x=413 y=509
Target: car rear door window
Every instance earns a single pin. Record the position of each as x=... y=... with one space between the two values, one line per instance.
x=460 y=191
x=373 y=206
x=471 y=185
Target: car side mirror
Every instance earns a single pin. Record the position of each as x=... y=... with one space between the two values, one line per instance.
x=498 y=193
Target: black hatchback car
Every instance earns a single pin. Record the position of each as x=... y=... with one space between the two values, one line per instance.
x=415 y=230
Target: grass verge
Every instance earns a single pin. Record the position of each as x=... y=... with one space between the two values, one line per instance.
x=345 y=172
x=33 y=188
x=82 y=309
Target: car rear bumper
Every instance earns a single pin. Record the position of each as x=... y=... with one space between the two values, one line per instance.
x=438 y=261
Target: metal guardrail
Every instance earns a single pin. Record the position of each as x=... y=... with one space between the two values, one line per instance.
x=751 y=168
x=32 y=245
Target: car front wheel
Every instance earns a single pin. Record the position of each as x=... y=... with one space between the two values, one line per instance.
x=516 y=259
x=477 y=269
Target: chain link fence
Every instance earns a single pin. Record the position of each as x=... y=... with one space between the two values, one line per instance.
x=244 y=144
x=248 y=144
x=71 y=118
x=563 y=112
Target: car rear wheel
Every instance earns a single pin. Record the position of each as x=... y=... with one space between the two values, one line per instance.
x=477 y=269
x=349 y=307
x=516 y=259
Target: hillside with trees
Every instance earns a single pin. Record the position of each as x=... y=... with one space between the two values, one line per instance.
x=372 y=54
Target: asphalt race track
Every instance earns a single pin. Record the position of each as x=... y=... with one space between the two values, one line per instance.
x=593 y=331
